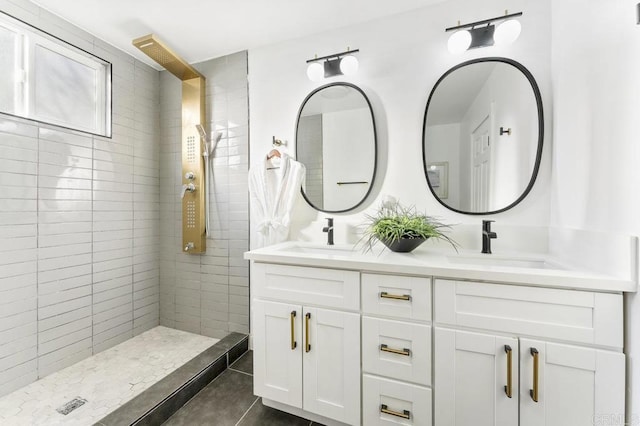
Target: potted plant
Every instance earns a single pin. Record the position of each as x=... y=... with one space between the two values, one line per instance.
x=402 y=229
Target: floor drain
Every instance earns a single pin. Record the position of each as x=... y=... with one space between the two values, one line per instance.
x=71 y=405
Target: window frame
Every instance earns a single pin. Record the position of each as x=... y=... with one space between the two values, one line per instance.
x=28 y=39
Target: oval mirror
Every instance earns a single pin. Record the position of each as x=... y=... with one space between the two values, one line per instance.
x=336 y=141
x=482 y=136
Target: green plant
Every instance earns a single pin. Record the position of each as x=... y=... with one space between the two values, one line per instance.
x=393 y=221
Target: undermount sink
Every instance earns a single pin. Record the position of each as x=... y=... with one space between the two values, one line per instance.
x=491 y=260
x=319 y=249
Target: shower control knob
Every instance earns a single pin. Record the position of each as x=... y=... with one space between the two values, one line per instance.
x=189 y=176
x=188 y=188
x=189 y=246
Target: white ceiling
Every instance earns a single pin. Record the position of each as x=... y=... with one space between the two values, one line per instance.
x=199 y=29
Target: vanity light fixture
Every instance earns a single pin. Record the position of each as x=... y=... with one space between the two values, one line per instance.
x=484 y=33
x=343 y=63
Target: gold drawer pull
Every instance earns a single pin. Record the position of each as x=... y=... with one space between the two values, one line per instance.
x=507 y=388
x=406 y=414
x=534 y=392
x=385 y=295
x=405 y=351
x=307 y=318
x=293 y=337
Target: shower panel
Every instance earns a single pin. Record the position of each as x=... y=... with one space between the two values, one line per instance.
x=193 y=114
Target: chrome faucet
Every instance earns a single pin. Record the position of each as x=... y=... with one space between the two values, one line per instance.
x=329 y=230
x=487 y=235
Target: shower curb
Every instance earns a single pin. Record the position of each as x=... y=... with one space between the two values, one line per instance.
x=156 y=404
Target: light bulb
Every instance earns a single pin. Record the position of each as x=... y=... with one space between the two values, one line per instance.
x=349 y=65
x=459 y=41
x=507 y=32
x=315 y=71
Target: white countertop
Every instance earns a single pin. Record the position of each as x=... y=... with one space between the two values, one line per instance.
x=466 y=265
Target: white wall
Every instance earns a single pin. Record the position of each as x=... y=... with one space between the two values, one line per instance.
x=596 y=151
x=79 y=216
x=401 y=58
x=508 y=98
x=347 y=156
x=444 y=145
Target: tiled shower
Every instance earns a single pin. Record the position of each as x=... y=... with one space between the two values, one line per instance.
x=90 y=226
x=207 y=294
x=81 y=271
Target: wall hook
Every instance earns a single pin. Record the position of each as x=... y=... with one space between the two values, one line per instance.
x=503 y=131
x=278 y=142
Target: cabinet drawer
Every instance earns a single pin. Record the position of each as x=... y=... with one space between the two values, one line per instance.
x=569 y=315
x=397 y=296
x=309 y=286
x=396 y=349
x=388 y=402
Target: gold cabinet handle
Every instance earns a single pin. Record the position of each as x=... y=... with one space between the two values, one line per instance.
x=385 y=295
x=294 y=344
x=405 y=351
x=534 y=392
x=307 y=319
x=405 y=414
x=507 y=388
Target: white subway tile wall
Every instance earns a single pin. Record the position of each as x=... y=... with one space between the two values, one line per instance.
x=309 y=151
x=207 y=294
x=79 y=220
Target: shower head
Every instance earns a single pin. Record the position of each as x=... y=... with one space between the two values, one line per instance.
x=202 y=132
x=209 y=143
x=162 y=54
x=205 y=138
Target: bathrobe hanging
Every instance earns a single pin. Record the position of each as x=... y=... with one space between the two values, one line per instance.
x=274 y=185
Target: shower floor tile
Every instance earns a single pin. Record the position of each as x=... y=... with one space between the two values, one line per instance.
x=106 y=380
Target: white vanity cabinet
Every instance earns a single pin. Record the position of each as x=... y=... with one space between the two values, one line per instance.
x=396 y=350
x=543 y=357
x=366 y=341
x=306 y=342
x=576 y=385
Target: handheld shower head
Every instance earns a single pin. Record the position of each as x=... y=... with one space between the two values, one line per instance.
x=202 y=132
x=208 y=146
x=209 y=143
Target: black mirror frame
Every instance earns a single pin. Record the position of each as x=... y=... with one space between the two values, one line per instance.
x=375 y=144
x=536 y=167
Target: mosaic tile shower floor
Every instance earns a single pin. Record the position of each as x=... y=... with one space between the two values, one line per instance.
x=106 y=380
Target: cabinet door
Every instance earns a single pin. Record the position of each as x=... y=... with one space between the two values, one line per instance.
x=332 y=364
x=277 y=352
x=575 y=386
x=472 y=379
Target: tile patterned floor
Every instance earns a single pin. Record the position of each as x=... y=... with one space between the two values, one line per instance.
x=229 y=401
x=106 y=380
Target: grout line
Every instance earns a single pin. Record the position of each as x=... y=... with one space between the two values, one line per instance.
x=247 y=412
x=241 y=372
x=38 y=183
x=93 y=214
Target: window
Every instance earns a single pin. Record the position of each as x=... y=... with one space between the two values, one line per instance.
x=46 y=79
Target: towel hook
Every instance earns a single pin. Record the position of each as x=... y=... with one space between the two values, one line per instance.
x=278 y=142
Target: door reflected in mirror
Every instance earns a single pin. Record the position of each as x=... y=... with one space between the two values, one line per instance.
x=336 y=141
x=484 y=121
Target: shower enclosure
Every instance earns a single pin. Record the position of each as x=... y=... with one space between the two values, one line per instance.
x=93 y=265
